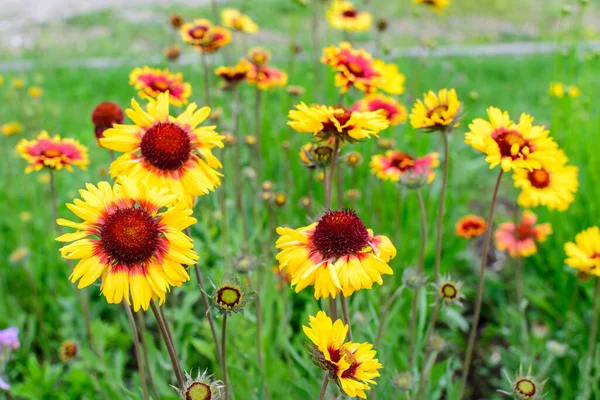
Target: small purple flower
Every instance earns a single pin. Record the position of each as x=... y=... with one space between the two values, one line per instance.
x=9 y=338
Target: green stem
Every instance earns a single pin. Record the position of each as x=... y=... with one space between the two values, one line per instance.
x=211 y=320
x=206 y=79
x=440 y=216
x=136 y=347
x=170 y=348
x=592 y=343
x=346 y=315
x=224 y=356
x=142 y=330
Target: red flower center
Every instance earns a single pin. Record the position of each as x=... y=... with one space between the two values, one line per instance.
x=130 y=236
x=350 y=13
x=402 y=161
x=525 y=231
x=507 y=139
x=437 y=111
x=166 y=146
x=539 y=178
x=340 y=233
x=105 y=115
x=159 y=85
x=197 y=32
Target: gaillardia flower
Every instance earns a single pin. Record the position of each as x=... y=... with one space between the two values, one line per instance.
x=439 y=111
x=524 y=386
x=511 y=145
x=131 y=236
x=552 y=185
x=437 y=5
x=266 y=77
x=167 y=151
x=352 y=366
x=230 y=297
x=520 y=241
x=394 y=164
x=11 y=128
x=53 y=153
x=393 y=111
x=234 y=75
x=358 y=68
x=202 y=387
x=470 y=226
x=449 y=291
x=336 y=254
x=104 y=116
x=584 y=253
x=343 y=16
x=316 y=155
x=153 y=81
x=328 y=122
x=205 y=37
x=259 y=56
x=235 y=20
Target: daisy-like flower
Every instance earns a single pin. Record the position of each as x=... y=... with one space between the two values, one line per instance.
x=205 y=37
x=524 y=386
x=509 y=144
x=104 y=116
x=230 y=297
x=336 y=254
x=68 y=350
x=259 y=56
x=394 y=164
x=437 y=5
x=167 y=151
x=53 y=153
x=328 y=122
x=439 y=111
x=520 y=241
x=393 y=111
x=202 y=387
x=342 y=15
x=266 y=77
x=11 y=128
x=552 y=185
x=584 y=253
x=234 y=75
x=352 y=366
x=470 y=226
x=153 y=81
x=448 y=291
x=131 y=236
x=358 y=68
x=235 y=20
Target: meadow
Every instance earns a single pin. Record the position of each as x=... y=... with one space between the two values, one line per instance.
x=535 y=311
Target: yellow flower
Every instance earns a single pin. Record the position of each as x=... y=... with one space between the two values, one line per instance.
x=35 y=92
x=393 y=111
x=265 y=77
x=436 y=112
x=352 y=366
x=470 y=226
x=53 y=153
x=556 y=89
x=336 y=254
x=12 y=128
x=18 y=83
x=326 y=122
x=205 y=37
x=153 y=81
x=131 y=237
x=509 y=144
x=584 y=254
x=235 y=20
x=357 y=68
x=259 y=56
x=167 y=151
x=436 y=5
x=235 y=74
x=574 y=91
x=553 y=185
x=342 y=15
x=1 y=80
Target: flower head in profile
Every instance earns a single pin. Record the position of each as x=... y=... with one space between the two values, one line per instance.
x=104 y=116
x=176 y=20
x=448 y=291
x=11 y=128
x=172 y=53
x=584 y=253
x=234 y=75
x=335 y=254
x=552 y=185
x=234 y=19
x=230 y=296
x=393 y=111
x=436 y=5
x=316 y=155
x=521 y=241
x=204 y=36
x=394 y=163
x=326 y=122
x=167 y=151
x=153 y=81
x=357 y=68
x=470 y=226
x=266 y=77
x=511 y=145
x=436 y=112
x=259 y=56
x=524 y=386
x=201 y=387
x=342 y=15
x=68 y=350
x=352 y=366
x=131 y=237
x=53 y=153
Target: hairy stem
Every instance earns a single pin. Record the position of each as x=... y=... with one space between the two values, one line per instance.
x=324 y=387
x=346 y=315
x=224 y=356
x=142 y=330
x=440 y=216
x=171 y=350
x=136 y=346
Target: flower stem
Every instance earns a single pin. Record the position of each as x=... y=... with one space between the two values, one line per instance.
x=440 y=216
x=316 y=48
x=141 y=327
x=206 y=79
x=206 y=303
x=329 y=178
x=170 y=347
x=430 y=330
x=224 y=356
x=346 y=315
x=258 y=121
x=224 y=216
x=324 y=387
x=592 y=343
x=136 y=346
x=486 y=245
x=239 y=189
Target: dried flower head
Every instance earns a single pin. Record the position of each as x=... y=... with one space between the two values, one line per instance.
x=525 y=386
x=404 y=381
x=353 y=194
x=295 y=91
x=448 y=291
x=437 y=343
x=176 y=20
x=245 y=264
x=267 y=186
x=68 y=350
x=266 y=196
x=412 y=278
x=172 y=52
x=316 y=155
x=250 y=140
x=202 y=387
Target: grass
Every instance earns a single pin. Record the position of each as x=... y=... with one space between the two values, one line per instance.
x=36 y=296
